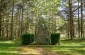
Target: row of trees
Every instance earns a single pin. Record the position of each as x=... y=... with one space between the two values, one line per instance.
x=71 y=30
x=25 y=16
x=39 y=17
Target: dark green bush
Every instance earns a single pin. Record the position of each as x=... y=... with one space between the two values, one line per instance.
x=55 y=38
x=27 y=39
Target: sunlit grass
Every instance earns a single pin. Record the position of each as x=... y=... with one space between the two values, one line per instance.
x=8 y=48
x=11 y=42
x=66 y=47
x=70 y=47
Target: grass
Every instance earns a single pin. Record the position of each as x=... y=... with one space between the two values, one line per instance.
x=66 y=47
x=8 y=48
x=70 y=47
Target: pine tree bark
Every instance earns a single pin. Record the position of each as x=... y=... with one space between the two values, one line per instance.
x=0 y=25
x=71 y=20
x=68 y=28
x=11 y=35
x=78 y=21
x=22 y=17
x=7 y=32
x=1 y=2
x=81 y=19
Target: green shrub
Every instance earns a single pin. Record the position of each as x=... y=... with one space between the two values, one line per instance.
x=27 y=39
x=55 y=38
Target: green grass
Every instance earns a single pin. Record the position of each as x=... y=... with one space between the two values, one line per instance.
x=70 y=47
x=66 y=47
x=8 y=48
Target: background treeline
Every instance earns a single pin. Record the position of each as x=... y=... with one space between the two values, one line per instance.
x=25 y=16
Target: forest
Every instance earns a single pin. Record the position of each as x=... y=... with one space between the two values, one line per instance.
x=42 y=27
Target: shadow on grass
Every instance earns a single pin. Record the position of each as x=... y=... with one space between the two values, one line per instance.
x=81 y=51
x=8 y=54
x=5 y=44
x=79 y=46
x=74 y=40
x=8 y=48
x=83 y=44
x=71 y=47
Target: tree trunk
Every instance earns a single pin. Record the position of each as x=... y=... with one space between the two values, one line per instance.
x=7 y=32
x=81 y=19
x=1 y=17
x=78 y=21
x=11 y=35
x=71 y=20
x=22 y=17
x=0 y=25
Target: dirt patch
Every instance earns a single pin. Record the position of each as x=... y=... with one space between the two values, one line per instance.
x=34 y=51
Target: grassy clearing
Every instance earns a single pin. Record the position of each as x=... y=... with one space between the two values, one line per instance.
x=66 y=47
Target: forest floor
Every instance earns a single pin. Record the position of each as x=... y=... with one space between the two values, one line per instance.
x=66 y=47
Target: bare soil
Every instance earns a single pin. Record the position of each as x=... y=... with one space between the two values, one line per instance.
x=35 y=51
